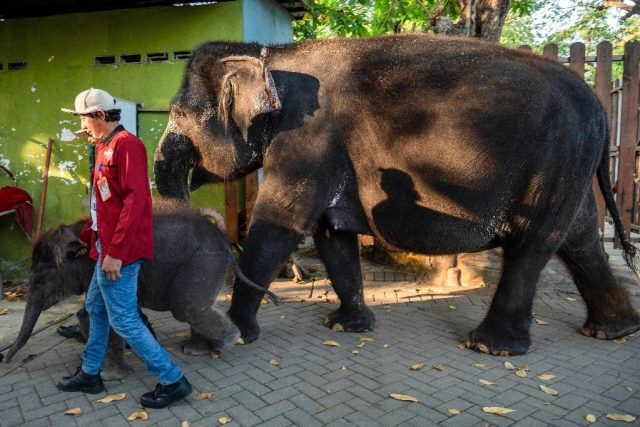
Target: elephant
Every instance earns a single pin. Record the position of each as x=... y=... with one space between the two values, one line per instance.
x=191 y=256
x=434 y=145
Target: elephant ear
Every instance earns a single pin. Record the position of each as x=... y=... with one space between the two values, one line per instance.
x=247 y=90
x=64 y=245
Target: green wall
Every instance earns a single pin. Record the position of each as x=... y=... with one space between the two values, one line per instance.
x=60 y=54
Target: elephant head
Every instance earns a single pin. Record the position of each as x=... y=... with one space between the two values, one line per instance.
x=55 y=274
x=218 y=121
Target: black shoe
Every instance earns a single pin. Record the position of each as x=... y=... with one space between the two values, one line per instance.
x=72 y=331
x=164 y=395
x=80 y=381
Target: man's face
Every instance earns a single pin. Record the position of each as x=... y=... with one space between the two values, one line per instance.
x=92 y=124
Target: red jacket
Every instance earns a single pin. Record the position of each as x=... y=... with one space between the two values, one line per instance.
x=125 y=221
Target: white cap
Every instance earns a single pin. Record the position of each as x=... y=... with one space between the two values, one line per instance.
x=92 y=100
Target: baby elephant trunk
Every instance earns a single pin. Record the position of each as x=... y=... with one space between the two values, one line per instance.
x=31 y=314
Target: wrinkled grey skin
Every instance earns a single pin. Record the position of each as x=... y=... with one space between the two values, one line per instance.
x=191 y=256
x=433 y=145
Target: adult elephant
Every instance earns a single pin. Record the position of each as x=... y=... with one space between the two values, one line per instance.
x=433 y=145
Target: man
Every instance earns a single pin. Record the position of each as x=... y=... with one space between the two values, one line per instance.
x=120 y=234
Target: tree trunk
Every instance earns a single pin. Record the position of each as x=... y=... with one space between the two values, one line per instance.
x=478 y=18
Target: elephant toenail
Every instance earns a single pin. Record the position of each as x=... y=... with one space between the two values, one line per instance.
x=337 y=328
x=482 y=348
x=601 y=335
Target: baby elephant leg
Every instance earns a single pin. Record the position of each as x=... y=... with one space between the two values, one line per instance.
x=210 y=326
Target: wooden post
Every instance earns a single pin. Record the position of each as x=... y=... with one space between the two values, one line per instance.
x=550 y=51
x=628 y=132
x=231 y=210
x=603 y=88
x=43 y=190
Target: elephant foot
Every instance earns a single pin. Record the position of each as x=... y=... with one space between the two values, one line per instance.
x=351 y=320
x=112 y=371
x=497 y=342
x=196 y=346
x=613 y=327
x=248 y=325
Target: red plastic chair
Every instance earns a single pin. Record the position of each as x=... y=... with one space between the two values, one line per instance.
x=14 y=200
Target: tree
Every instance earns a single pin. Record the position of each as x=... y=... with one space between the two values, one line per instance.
x=632 y=7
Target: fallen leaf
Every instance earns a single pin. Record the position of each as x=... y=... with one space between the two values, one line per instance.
x=462 y=346
x=240 y=341
x=365 y=339
x=454 y=411
x=215 y=355
x=546 y=377
x=386 y=346
x=264 y=301
x=541 y=322
x=344 y=368
x=570 y=299
x=142 y=415
x=73 y=411
x=203 y=395
x=273 y=362
x=4 y=311
x=590 y=418
x=486 y=382
x=417 y=366
x=621 y=417
x=330 y=343
x=452 y=307
x=223 y=420
x=361 y=344
x=184 y=424
x=548 y=390
x=497 y=410
x=509 y=366
x=440 y=368
x=620 y=340
x=183 y=334
x=112 y=398
x=337 y=328
x=404 y=397
x=479 y=365
x=282 y=317
x=521 y=373
x=629 y=389
x=354 y=351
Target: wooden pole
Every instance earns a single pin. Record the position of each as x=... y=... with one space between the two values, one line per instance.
x=43 y=189
x=603 y=87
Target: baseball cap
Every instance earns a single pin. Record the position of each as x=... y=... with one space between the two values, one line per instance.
x=92 y=100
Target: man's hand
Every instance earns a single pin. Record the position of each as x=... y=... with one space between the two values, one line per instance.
x=111 y=267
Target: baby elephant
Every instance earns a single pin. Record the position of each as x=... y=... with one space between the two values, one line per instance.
x=191 y=256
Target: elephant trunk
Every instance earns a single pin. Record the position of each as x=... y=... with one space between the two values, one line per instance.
x=173 y=159
x=31 y=314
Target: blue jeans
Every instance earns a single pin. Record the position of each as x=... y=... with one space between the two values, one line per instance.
x=115 y=303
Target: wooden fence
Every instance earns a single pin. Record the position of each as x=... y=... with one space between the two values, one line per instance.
x=621 y=104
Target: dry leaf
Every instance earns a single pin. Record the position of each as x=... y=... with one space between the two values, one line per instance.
x=548 y=390
x=570 y=299
x=509 y=366
x=454 y=411
x=541 y=322
x=452 y=307
x=240 y=341
x=486 y=382
x=546 y=377
x=620 y=340
x=497 y=410
x=4 y=311
x=183 y=334
x=337 y=328
x=142 y=415
x=330 y=343
x=629 y=389
x=386 y=346
x=417 y=366
x=344 y=368
x=479 y=365
x=621 y=417
x=223 y=420
x=74 y=411
x=440 y=368
x=273 y=362
x=365 y=339
x=203 y=395
x=215 y=355
x=354 y=351
x=112 y=398
x=404 y=397
x=361 y=344
x=184 y=424
x=521 y=373
x=590 y=418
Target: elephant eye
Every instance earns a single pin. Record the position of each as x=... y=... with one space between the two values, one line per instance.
x=180 y=114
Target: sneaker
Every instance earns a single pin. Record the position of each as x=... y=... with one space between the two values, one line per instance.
x=81 y=381
x=164 y=395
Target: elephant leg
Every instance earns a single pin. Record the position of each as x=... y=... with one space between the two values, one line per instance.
x=265 y=250
x=339 y=251
x=609 y=311
x=210 y=329
x=505 y=329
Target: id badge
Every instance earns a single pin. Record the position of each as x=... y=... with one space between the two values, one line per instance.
x=103 y=187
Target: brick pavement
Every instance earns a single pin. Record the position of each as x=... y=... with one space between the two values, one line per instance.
x=316 y=385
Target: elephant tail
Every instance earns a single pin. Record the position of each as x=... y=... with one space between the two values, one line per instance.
x=630 y=252
x=236 y=268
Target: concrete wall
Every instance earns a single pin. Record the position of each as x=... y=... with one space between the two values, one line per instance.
x=60 y=53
